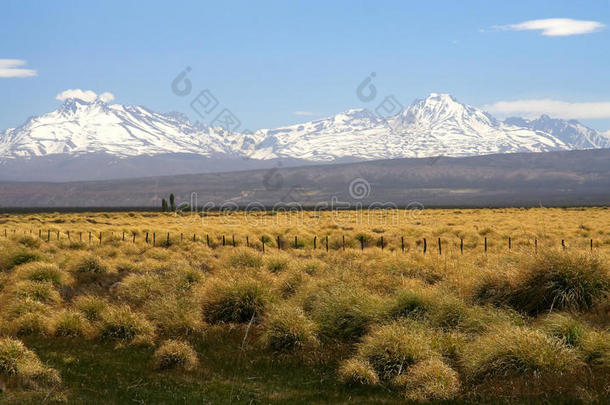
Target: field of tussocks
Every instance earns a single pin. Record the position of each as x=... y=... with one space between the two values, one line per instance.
x=512 y=306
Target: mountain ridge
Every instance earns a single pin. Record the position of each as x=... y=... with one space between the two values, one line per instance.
x=433 y=126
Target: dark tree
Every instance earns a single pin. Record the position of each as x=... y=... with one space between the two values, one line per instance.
x=164 y=205
x=172 y=202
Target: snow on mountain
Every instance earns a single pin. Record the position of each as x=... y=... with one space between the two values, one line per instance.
x=571 y=132
x=79 y=127
x=436 y=125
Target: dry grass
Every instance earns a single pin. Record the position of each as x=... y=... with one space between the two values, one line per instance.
x=427 y=327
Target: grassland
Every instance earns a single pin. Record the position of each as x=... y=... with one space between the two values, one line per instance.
x=120 y=320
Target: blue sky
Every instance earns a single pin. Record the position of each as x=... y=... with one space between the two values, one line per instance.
x=275 y=63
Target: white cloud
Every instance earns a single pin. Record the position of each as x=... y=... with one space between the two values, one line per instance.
x=10 y=68
x=303 y=113
x=85 y=95
x=106 y=97
x=555 y=27
x=554 y=108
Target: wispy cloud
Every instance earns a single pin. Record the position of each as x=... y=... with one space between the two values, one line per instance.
x=11 y=68
x=555 y=27
x=304 y=113
x=85 y=95
x=554 y=108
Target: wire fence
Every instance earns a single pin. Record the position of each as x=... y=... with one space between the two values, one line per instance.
x=361 y=242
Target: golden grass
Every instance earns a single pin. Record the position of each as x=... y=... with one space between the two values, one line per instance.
x=426 y=326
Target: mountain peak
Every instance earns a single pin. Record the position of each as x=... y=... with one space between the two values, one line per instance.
x=441 y=96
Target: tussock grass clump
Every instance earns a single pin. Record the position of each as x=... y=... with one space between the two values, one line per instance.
x=276 y=264
x=91 y=306
x=564 y=327
x=29 y=241
x=392 y=348
x=287 y=328
x=412 y=304
x=20 y=367
x=515 y=351
x=175 y=316
x=234 y=301
x=136 y=289
x=70 y=323
x=429 y=380
x=560 y=281
x=123 y=325
x=343 y=312
x=175 y=354
x=595 y=347
x=42 y=272
x=43 y=292
x=357 y=372
x=246 y=258
x=12 y=257
x=90 y=268
x=30 y=324
x=437 y=308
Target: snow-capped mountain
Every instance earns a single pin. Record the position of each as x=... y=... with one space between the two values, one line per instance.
x=78 y=127
x=571 y=132
x=436 y=125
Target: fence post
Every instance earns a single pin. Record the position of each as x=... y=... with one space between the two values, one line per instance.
x=48 y=236
x=563 y=244
x=207 y=238
x=194 y=237
x=279 y=242
x=402 y=243
x=146 y=237
x=57 y=234
x=315 y=240
x=591 y=245
x=296 y=242
x=247 y=241
x=223 y=240
x=535 y=245
x=167 y=241
x=40 y=234
x=263 y=241
x=510 y=244
x=181 y=237
x=462 y=245
x=361 y=242
x=382 y=243
x=425 y=245
x=134 y=237
x=69 y=235
x=327 y=243
x=233 y=238
x=80 y=236
x=486 y=244
x=123 y=236
x=154 y=239
x=343 y=242
x=89 y=237
x=440 y=248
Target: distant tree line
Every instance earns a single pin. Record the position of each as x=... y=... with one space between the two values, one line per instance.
x=171 y=206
